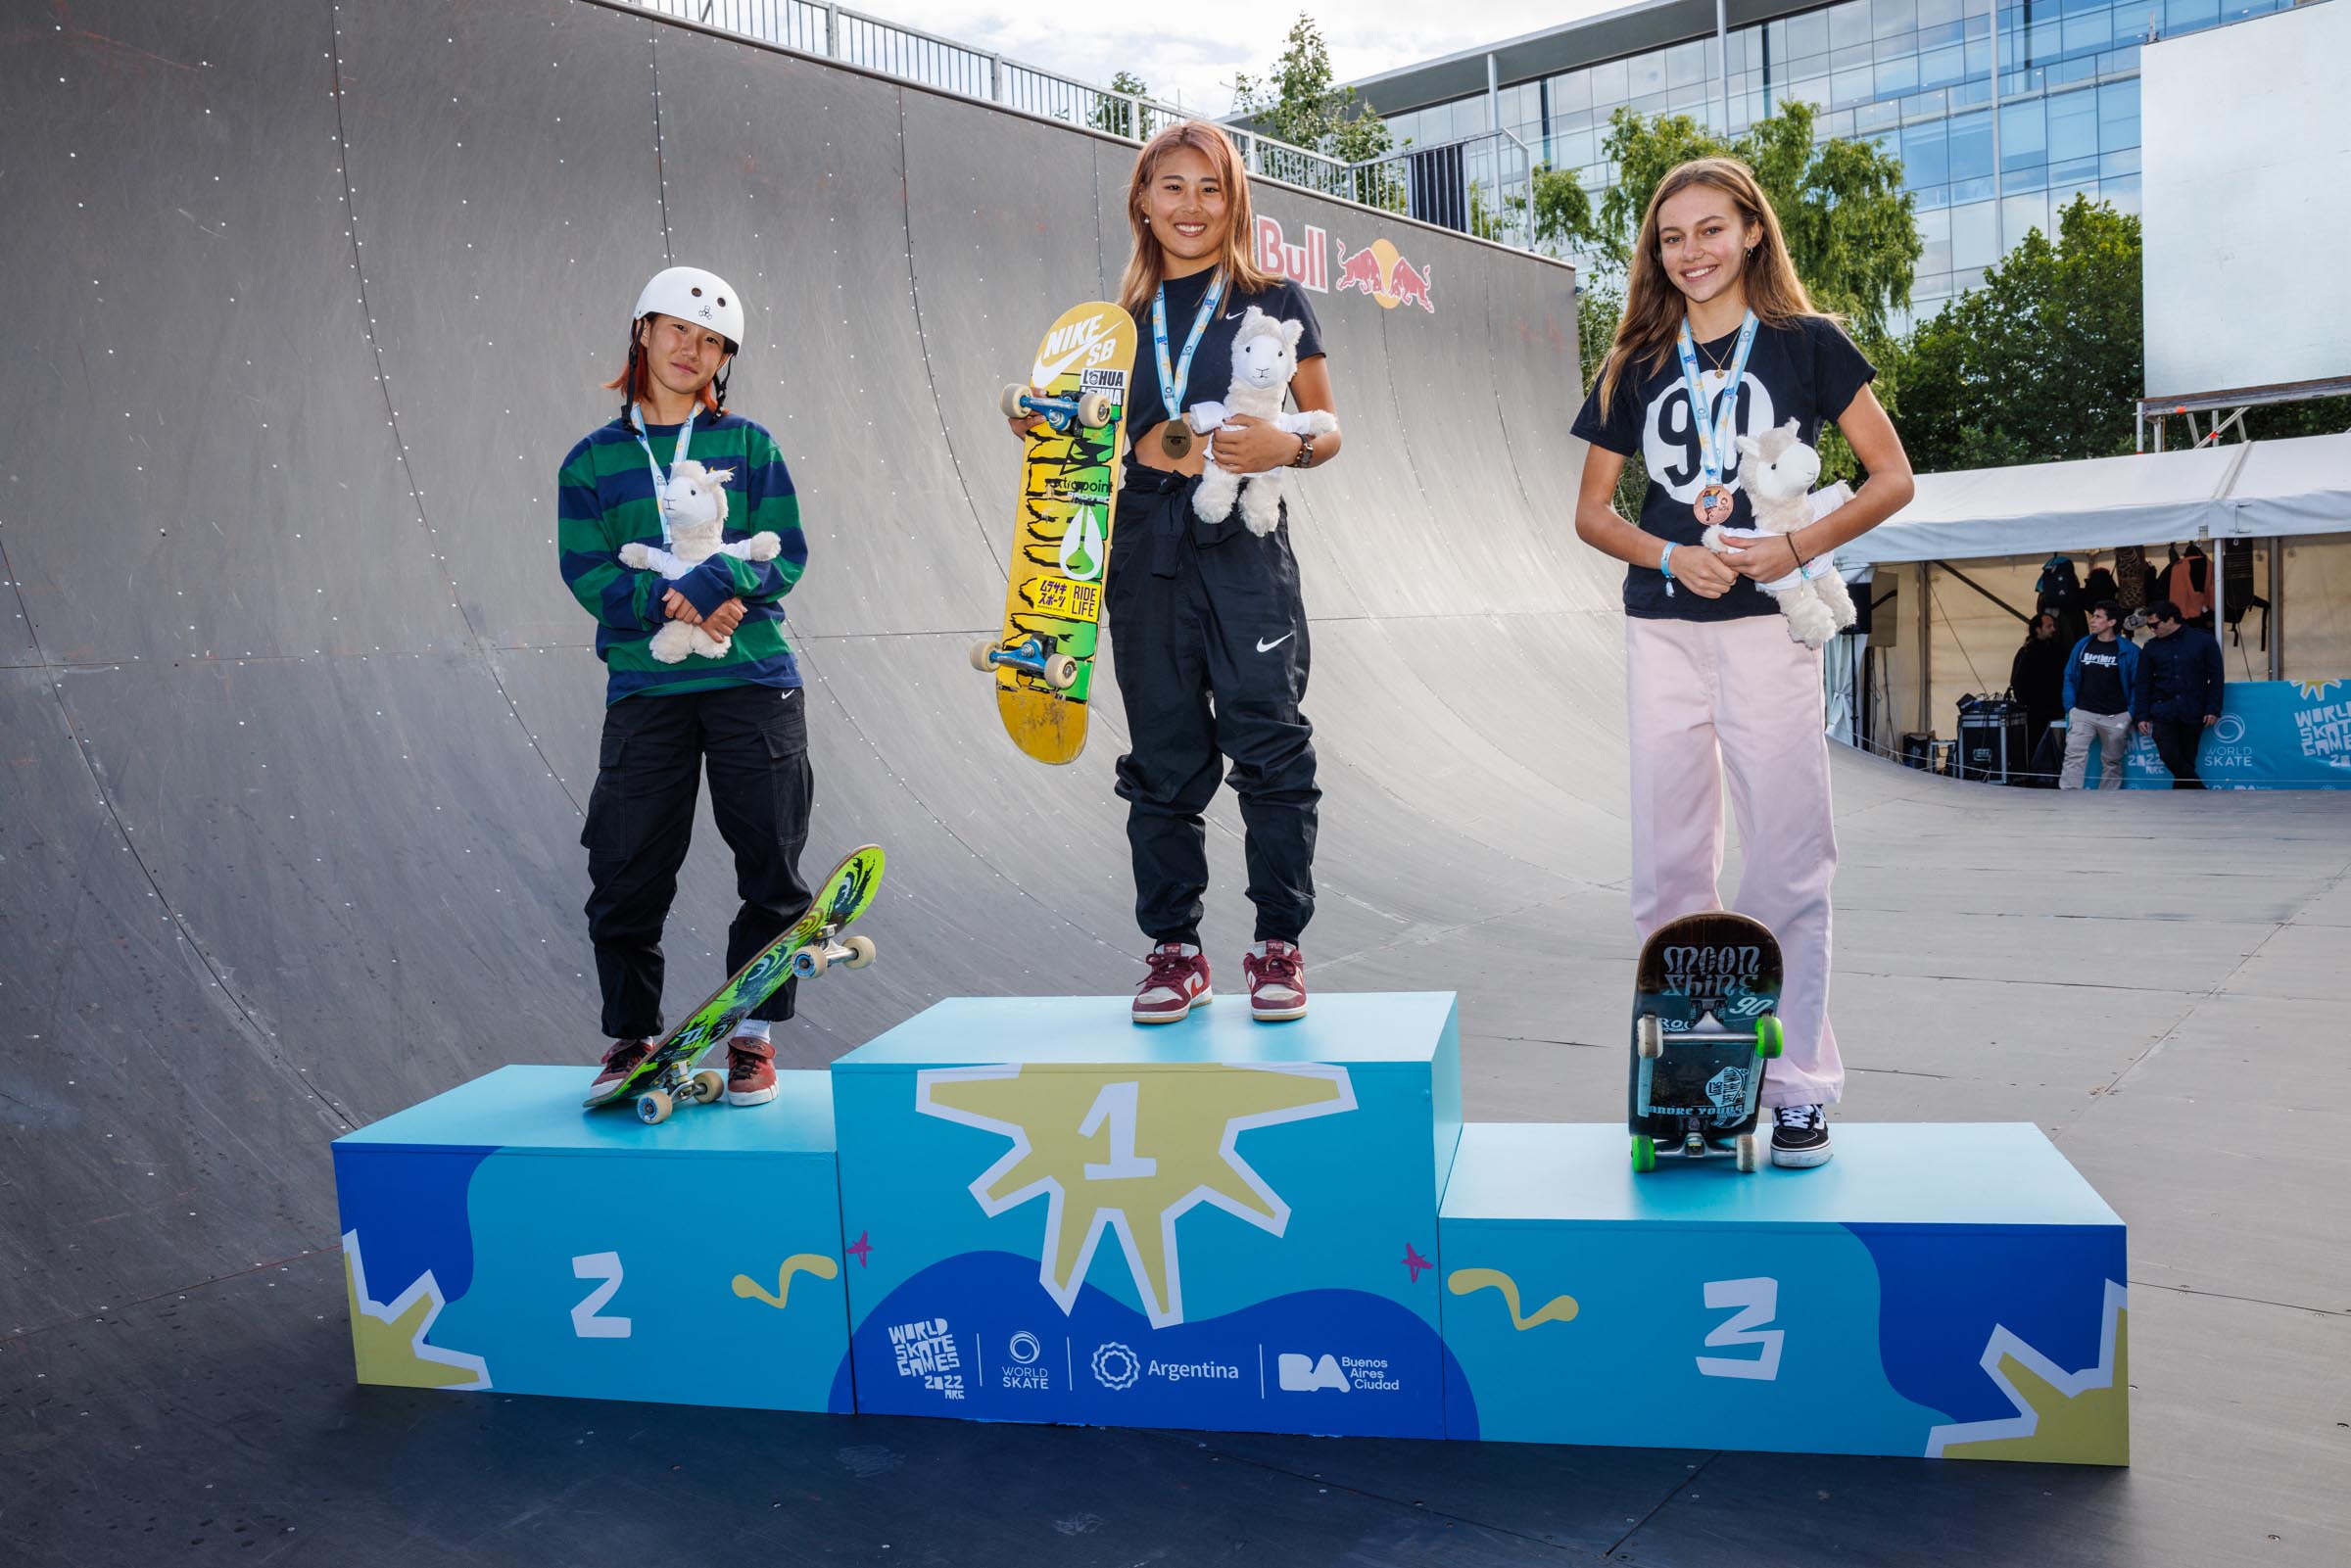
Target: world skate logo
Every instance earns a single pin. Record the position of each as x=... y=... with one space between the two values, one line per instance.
x=1379 y=270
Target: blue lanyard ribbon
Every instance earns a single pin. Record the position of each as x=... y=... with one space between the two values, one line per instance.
x=1714 y=435
x=661 y=480
x=1172 y=378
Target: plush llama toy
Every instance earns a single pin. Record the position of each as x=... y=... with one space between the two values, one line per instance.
x=1265 y=355
x=1777 y=474
x=695 y=501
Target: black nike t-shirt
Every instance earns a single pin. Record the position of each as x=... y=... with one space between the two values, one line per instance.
x=1211 y=375
x=1807 y=370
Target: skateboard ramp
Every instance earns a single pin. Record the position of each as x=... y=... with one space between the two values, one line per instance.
x=298 y=721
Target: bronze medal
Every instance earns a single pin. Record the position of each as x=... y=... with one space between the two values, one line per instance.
x=1176 y=439
x=1713 y=504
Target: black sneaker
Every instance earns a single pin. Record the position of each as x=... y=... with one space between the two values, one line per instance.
x=1800 y=1136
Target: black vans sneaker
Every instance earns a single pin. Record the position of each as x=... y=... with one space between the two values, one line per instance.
x=1800 y=1136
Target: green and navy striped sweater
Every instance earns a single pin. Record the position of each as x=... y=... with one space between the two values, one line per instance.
x=605 y=499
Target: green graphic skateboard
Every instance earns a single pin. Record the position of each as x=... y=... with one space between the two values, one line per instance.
x=666 y=1079
x=1705 y=1021
x=1043 y=656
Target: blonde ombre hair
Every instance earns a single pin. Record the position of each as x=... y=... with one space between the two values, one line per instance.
x=1146 y=264
x=1654 y=308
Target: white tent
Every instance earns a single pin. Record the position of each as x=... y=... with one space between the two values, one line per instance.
x=2253 y=489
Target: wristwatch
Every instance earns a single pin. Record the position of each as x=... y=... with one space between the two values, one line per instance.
x=1306 y=453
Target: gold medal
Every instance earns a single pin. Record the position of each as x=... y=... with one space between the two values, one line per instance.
x=1176 y=439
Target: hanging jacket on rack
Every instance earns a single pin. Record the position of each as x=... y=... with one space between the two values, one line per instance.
x=2187 y=584
x=2238 y=595
x=2100 y=585
x=2131 y=577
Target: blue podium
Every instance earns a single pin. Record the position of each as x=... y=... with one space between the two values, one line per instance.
x=1056 y=1216
x=1953 y=1290
x=499 y=1237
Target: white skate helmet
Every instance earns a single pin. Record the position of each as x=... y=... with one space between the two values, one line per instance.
x=692 y=295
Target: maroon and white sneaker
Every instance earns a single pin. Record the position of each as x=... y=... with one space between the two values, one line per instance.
x=1177 y=983
x=1276 y=983
x=751 y=1070
x=621 y=1058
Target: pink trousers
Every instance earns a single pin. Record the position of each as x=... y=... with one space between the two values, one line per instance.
x=1735 y=701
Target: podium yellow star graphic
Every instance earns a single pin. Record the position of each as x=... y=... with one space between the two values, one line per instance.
x=1128 y=1149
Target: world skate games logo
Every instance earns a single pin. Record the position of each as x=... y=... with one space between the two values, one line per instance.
x=1381 y=271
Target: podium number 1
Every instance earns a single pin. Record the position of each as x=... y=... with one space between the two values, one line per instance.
x=1758 y=1301
x=1116 y=1105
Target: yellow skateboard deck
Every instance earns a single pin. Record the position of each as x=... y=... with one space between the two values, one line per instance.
x=1043 y=658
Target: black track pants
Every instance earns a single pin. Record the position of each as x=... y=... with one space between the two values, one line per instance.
x=1211 y=641
x=2176 y=745
x=755 y=740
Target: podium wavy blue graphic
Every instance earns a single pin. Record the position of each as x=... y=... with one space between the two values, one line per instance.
x=977 y=1337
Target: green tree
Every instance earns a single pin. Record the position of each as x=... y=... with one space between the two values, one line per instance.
x=1297 y=102
x=2046 y=362
x=1115 y=115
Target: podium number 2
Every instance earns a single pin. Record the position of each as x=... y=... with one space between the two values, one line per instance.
x=1758 y=1301
x=584 y=1319
x=1116 y=1105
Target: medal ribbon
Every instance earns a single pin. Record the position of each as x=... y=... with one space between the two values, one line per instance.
x=661 y=480
x=1714 y=435
x=1172 y=378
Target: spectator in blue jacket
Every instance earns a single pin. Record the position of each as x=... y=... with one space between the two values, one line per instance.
x=2178 y=695
x=2100 y=675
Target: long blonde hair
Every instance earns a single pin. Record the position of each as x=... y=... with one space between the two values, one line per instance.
x=1654 y=307
x=1145 y=263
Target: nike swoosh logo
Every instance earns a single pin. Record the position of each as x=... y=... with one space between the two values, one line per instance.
x=1235 y=315
x=1264 y=647
x=1041 y=372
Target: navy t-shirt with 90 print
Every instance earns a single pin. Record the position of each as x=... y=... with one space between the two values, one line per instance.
x=1806 y=371
x=1211 y=375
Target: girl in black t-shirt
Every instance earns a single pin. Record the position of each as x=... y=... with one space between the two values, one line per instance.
x=1196 y=607
x=1716 y=690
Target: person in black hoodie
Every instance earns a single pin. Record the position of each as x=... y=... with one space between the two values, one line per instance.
x=2037 y=678
x=2179 y=690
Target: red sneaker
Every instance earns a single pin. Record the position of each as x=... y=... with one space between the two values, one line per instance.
x=1177 y=983
x=1277 y=983
x=621 y=1059
x=751 y=1070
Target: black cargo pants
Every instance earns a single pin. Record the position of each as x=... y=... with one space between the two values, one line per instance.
x=754 y=741
x=1210 y=637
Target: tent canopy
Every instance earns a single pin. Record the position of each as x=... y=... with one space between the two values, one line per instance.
x=2252 y=490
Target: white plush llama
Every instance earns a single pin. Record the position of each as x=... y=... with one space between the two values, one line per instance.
x=695 y=501
x=1777 y=474
x=1265 y=355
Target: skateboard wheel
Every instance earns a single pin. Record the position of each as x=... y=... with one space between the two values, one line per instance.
x=654 y=1107
x=1750 y=1154
x=808 y=962
x=1094 y=409
x=861 y=952
x=1010 y=400
x=1650 y=1035
x=1771 y=1038
x=709 y=1085
x=1061 y=672
x=984 y=654
x=1644 y=1152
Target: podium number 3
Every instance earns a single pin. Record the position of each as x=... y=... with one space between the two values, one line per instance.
x=584 y=1319
x=1758 y=1301
x=1116 y=1105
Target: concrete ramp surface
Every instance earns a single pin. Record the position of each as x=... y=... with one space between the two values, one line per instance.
x=297 y=722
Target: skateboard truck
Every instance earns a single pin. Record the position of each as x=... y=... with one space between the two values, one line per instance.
x=1088 y=408
x=1033 y=655
x=1649 y=1045
x=817 y=957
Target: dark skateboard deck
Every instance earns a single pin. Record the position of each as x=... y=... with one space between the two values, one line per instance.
x=1705 y=1023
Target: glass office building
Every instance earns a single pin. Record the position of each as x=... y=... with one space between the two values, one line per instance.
x=1987 y=160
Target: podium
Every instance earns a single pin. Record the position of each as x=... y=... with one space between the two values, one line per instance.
x=499 y=1237
x=1953 y=1291
x=1058 y=1215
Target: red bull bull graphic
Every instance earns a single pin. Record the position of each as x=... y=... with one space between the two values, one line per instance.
x=1308 y=265
x=1379 y=270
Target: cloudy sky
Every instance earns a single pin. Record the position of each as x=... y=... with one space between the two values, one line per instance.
x=1219 y=37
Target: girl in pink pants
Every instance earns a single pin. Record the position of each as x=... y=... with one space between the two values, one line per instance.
x=1719 y=340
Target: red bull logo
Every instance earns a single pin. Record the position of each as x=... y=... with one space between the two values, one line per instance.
x=1308 y=265
x=1377 y=269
